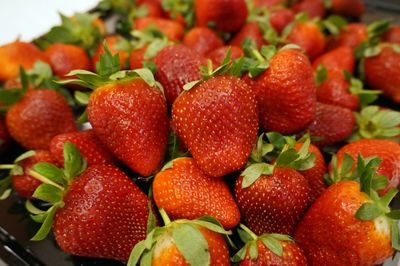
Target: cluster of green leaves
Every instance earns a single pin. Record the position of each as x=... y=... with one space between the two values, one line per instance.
x=275 y=150
x=333 y=24
x=177 y=8
x=55 y=181
x=261 y=15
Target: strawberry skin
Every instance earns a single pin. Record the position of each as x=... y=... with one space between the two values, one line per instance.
x=286 y=93
x=4 y=136
x=274 y=203
x=382 y=72
x=172 y=29
x=339 y=59
x=176 y=66
x=280 y=17
x=217 y=56
x=250 y=31
x=24 y=184
x=228 y=16
x=88 y=144
x=268 y=3
x=217 y=121
x=202 y=40
x=351 y=241
x=354 y=8
x=112 y=43
x=131 y=119
x=392 y=35
x=136 y=58
x=387 y=150
x=38 y=117
x=104 y=216
x=351 y=35
x=313 y=8
x=184 y=192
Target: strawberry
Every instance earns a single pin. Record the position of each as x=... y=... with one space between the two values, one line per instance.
x=225 y=16
x=172 y=29
x=181 y=11
x=183 y=242
x=280 y=17
x=19 y=177
x=136 y=58
x=176 y=66
x=309 y=37
x=381 y=71
x=351 y=35
x=128 y=113
x=64 y=58
x=217 y=56
x=153 y=8
x=388 y=151
x=37 y=117
x=84 y=203
x=332 y=124
x=341 y=58
x=313 y=8
x=180 y=188
x=250 y=30
x=88 y=144
x=360 y=232
x=224 y=110
x=4 y=136
x=268 y=3
x=286 y=92
x=202 y=40
x=268 y=250
x=117 y=45
x=392 y=35
x=16 y=54
x=353 y=8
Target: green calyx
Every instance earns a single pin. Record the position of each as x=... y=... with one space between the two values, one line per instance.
x=182 y=8
x=55 y=184
x=261 y=15
x=357 y=88
x=185 y=234
x=14 y=169
x=153 y=38
x=277 y=151
x=10 y=96
x=376 y=123
x=321 y=74
x=272 y=241
x=333 y=24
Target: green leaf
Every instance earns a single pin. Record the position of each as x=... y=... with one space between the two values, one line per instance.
x=379 y=182
x=192 y=245
x=10 y=96
x=211 y=226
x=32 y=208
x=347 y=165
x=244 y=236
x=47 y=224
x=368 y=211
x=48 y=193
x=273 y=244
x=372 y=51
x=136 y=253
x=5 y=185
x=395 y=214
x=394 y=229
x=254 y=171
x=74 y=164
x=287 y=157
x=151 y=220
x=108 y=63
x=146 y=75
x=322 y=74
x=82 y=97
x=276 y=139
x=240 y=255
x=24 y=156
x=253 y=250
x=83 y=118
x=282 y=237
x=50 y=171
x=147 y=257
x=378 y=27
x=190 y=85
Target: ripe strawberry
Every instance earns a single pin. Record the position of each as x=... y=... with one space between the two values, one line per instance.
x=346 y=8
x=217 y=56
x=172 y=29
x=202 y=40
x=251 y=31
x=351 y=35
x=185 y=192
x=16 y=54
x=272 y=249
x=224 y=110
x=280 y=17
x=4 y=136
x=388 y=151
x=153 y=8
x=286 y=93
x=88 y=144
x=313 y=8
x=99 y=213
x=226 y=16
x=64 y=58
x=309 y=37
x=136 y=58
x=117 y=45
x=392 y=35
x=268 y=3
x=39 y=116
x=382 y=72
x=176 y=66
x=341 y=58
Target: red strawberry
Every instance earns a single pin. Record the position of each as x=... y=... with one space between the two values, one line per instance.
x=250 y=31
x=217 y=56
x=313 y=8
x=354 y=8
x=88 y=144
x=4 y=136
x=351 y=35
x=286 y=93
x=172 y=29
x=388 y=151
x=39 y=116
x=268 y=3
x=184 y=192
x=280 y=17
x=227 y=16
x=64 y=58
x=309 y=37
x=16 y=54
x=382 y=72
x=136 y=58
x=224 y=110
x=202 y=40
x=341 y=58
x=154 y=8
x=117 y=45
x=332 y=124
x=176 y=66
x=392 y=35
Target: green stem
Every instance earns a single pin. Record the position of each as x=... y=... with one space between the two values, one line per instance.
x=164 y=216
x=44 y=180
x=247 y=230
x=7 y=166
x=258 y=55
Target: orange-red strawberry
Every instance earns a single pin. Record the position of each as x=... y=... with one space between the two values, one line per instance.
x=392 y=35
x=332 y=124
x=217 y=56
x=4 y=136
x=308 y=36
x=176 y=66
x=185 y=192
x=172 y=29
x=154 y=8
x=351 y=35
x=286 y=93
x=382 y=72
x=117 y=45
x=136 y=58
x=313 y=8
x=16 y=54
x=64 y=58
x=354 y=8
x=281 y=17
x=268 y=3
x=39 y=116
x=228 y=16
x=388 y=151
x=251 y=31
x=224 y=112
x=88 y=144
x=341 y=58
x=202 y=40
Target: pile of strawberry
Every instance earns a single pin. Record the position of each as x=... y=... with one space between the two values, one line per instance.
x=220 y=132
